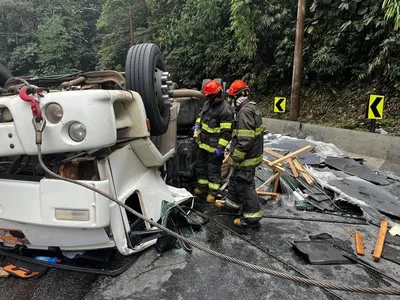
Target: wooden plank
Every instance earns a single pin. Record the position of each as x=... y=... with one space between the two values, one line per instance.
x=278 y=155
x=276 y=184
x=290 y=155
x=303 y=172
x=359 y=241
x=268 y=193
x=272 y=152
x=359 y=244
x=279 y=169
x=267 y=162
x=268 y=181
x=294 y=170
x=226 y=159
x=380 y=241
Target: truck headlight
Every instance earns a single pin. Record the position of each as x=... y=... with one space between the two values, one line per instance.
x=54 y=113
x=72 y=215
x=7 y=116
x=77 y=132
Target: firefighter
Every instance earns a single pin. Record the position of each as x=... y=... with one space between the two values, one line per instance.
x=229 y=98
x=246 y=153
x=213 y=131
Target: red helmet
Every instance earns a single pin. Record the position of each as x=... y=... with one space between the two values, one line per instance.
x=237 y=87
x=211 y=88
x=230 y=92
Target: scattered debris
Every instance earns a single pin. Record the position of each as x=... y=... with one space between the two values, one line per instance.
x=395 y=230
x=3 y=274
x=380 y=241
x=391 y=254
x=72 y=254
x=332 y=221
x=373 y=200
x=276 y=165
x=313 y=175
x=359 y=241
x=303 y=172
x=285 y=145
x=291 y=155
x=24 y=270
x=381 y=131
x=320 y=252
x=351 y=167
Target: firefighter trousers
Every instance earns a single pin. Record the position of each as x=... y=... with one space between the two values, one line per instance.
x=208 y=169
x=242 y=193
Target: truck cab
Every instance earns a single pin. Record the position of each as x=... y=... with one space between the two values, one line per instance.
x=99 y=130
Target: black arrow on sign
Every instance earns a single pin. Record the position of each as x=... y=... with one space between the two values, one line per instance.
x=374 y=107
x=278 y=104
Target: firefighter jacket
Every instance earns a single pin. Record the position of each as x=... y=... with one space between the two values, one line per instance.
x=247 y=141
x=215 y=121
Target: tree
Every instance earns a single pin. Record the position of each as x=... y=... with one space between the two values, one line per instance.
x=345 y=40
x=74 y=20
x=114 y=30
x=200 y=43
x=59 y=47
x=392 y=11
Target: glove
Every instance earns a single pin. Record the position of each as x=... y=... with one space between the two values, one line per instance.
x=196 y=131
x=218 y=153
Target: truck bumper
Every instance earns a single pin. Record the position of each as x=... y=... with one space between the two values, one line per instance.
x=41 y=215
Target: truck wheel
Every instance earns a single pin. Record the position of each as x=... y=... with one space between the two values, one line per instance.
x=5 y=74
x=145 y=74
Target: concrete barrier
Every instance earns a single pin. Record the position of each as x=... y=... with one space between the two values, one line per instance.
x=384 y=148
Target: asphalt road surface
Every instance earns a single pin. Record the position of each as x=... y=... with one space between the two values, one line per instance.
x=179 y=275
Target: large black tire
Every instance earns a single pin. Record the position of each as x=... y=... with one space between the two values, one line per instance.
x=5 y=74
x=142 y=62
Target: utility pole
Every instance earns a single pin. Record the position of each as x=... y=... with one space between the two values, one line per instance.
x=131 y=23
x=298 y=63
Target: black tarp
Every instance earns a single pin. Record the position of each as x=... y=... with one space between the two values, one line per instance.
x=351 y=167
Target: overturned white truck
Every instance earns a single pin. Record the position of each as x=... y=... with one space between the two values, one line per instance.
x=98 y=128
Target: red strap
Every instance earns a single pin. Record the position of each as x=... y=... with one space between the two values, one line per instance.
x=36 y=112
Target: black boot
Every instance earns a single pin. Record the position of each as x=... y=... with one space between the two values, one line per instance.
x=243 y=223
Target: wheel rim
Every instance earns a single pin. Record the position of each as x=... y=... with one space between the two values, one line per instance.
x=163 y=87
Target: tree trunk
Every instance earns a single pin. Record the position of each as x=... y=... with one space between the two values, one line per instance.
x=298 y=63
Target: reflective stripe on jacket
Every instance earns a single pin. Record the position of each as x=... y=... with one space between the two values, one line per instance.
x=247 y=140
x=215 y=121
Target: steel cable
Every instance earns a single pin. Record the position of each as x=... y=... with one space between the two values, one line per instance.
x=239 y=262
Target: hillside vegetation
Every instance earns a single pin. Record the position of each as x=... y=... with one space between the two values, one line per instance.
x=351 y=47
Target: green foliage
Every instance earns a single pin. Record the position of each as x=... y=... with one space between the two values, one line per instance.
x=60 y=45
x=24 y=59
x=392 y=11
x=326 y=61
x=49 y=37
x=200 y=42
x=114 y=30
x=242 y=25
x=344 y=41
x=114 y=27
